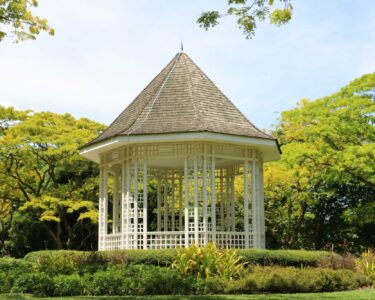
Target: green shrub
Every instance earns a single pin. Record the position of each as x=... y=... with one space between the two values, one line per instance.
x=5 y=283
x=161 y=280
x=10 y=269
x=160 y=257
x=208 y=261
x=290 y=258
x=68 y=261
x=110 y=282
x=14 y=265
x=68 y=285
x=334 y=261
x=294 y=280
x=39 y=284
x=366 y=265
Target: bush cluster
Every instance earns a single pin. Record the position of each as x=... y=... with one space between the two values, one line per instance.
x=153 y=280
x=165 y=257
x=171 y=271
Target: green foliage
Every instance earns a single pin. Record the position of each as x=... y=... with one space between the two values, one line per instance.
x=68 y=285
x=295 y=280
x=16 y=17
x=139 y=280
x=162 y=257
x=5 y=282
x=208 y=261
x=321 y=191
x=366 y=264
x=248 y=13
x=13 y=265
x=295 y=258
x=53 y=261
x=43 y=175
x=39 y=284
x=70 y=261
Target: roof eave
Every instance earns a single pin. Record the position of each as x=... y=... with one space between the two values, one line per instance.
x=268 y=146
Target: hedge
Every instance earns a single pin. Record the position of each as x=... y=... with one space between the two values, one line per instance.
x=153 y=280
x=293 y=258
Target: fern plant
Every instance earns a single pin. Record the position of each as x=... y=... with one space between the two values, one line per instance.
x=366 y=264
x=208 y=261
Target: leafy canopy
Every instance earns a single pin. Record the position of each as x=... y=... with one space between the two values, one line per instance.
x=248 y=13
x=328 y=150
x=17 y=18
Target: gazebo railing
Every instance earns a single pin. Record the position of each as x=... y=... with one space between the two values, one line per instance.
x=174 y=239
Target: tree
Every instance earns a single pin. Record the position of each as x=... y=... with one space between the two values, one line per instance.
x=326 y=177
x=41 y=166
x=248 y=13
x=17 y=18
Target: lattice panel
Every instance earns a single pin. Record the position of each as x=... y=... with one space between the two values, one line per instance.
x=209 y=191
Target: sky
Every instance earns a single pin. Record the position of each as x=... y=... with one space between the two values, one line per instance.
x=105 y=52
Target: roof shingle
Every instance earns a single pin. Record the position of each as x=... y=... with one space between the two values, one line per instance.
x=181 y=98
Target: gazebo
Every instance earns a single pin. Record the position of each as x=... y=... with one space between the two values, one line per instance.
x=181 y=165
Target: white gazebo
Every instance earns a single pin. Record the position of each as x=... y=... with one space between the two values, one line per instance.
x=181 y=165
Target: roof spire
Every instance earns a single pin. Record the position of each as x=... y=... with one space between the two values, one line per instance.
x=182 y=46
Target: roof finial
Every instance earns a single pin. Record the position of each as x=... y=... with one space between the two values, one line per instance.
x=182 y=47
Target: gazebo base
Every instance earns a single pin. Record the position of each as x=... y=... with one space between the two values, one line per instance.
x=175 y=239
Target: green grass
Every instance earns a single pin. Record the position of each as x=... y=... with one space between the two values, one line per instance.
x=363 y=294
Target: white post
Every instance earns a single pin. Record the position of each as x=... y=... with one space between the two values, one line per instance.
x=205 y=217
x=128 y=164
x=166 y=186
x=213 y=199
x=173 y=204
x=254 y=202
x=116 y=202
x=246 y=202
x=145 y=205
x=222 y=220
x=261 y=205
x=159 y=203
x=103 y=208
x=186 y=209
x=124 y=208
x=180 y=202
x=233 y=199
x=135 y=203
x=196 y=215
x=228 y=201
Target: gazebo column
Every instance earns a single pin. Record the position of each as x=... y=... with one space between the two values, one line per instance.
x=205 y=215
x=186 y=204
x=257 y=202
x=116 y=212
x=246 y=202
x=173 y=217
x=196 y=212
x=261 y=205
x=158 y=226
x=135 y=199
x=222 y=219
x=165 y=201
x=181 y=207
x=145 y=205
x=124 y=206
x=232 y=198
x=103 y=207
x=213 y=200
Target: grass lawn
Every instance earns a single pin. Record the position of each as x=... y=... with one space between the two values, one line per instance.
x=363 y=294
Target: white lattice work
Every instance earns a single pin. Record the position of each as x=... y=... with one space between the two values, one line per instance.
x=175 y=195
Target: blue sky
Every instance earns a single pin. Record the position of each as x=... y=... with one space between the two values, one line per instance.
x=105 y=52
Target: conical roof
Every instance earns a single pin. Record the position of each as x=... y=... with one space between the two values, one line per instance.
x=180 y=99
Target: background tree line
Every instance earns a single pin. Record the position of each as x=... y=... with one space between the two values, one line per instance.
x=320 y=195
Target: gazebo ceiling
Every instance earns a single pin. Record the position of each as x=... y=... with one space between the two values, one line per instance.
x=181 y=101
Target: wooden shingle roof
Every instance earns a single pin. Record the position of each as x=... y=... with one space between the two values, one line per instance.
x=180 y=99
